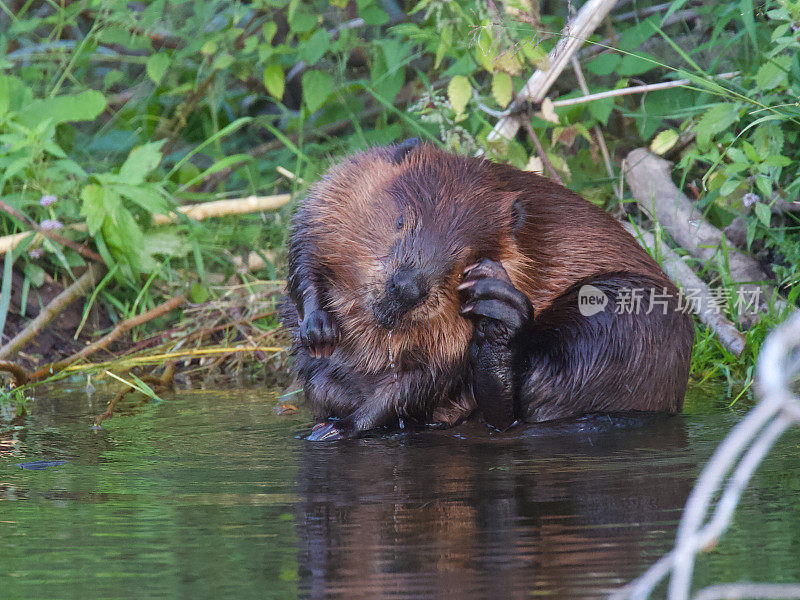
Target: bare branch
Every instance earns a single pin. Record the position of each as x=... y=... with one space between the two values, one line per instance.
x=572 y=37
x=649 y=179
x=706 y=309
x=77 y=290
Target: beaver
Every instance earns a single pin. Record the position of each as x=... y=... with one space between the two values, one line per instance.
x=424 y=285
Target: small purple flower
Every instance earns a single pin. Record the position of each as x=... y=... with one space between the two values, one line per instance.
x=750 y=199
x=47 y=200
x=51 y=224
x=795 y=26
x=35 y=253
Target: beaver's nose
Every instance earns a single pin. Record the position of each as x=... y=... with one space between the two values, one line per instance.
x=407 y=287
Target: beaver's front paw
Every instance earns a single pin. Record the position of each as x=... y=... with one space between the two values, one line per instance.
x=319 y=333
x=499 y=309
x=326 y=432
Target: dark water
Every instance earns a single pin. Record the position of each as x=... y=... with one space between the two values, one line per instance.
x=209 y=494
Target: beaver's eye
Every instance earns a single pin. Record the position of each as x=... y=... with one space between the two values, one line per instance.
x=399 y=223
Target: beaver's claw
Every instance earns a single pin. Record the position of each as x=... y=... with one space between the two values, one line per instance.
x=319 y=333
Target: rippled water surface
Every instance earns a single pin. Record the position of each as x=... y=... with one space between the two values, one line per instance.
x=210 y=494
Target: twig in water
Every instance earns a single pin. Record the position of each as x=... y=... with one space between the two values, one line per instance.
x=165 y=382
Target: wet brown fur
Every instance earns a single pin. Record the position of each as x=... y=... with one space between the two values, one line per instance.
x=344 y=231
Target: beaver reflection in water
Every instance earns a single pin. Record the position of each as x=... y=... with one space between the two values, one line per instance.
x=424 y=285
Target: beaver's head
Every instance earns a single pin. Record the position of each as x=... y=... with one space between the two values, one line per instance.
x=400 y=224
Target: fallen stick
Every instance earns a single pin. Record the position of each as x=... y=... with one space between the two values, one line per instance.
x=104 y=341
x=221 y=208
x=77 y=290
x=19 y=374
x=649 y=179
x=707 y=308
x=59 y=239
x=572 y=37
x=9 y=242
x=198 y=212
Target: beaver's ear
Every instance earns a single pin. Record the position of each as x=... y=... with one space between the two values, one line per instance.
x=512 y=202
x=403 y=148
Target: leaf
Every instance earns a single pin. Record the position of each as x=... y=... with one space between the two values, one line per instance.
x=146 y=196
x=269 y=30
x=777 y=161
x=198 y=293
x=222 y=163
x=717 y=118
x=664 y=141
x=93 y=207
x=5 y=290
x=502 y=88
x=316 y=46
x=459 y=92
x=746 y=10
x=140 y=162
x=763 y=213
x=774 y=73
x=533 y=51
x=632 y=38
x=751 y=152
x=165 y=243
x=302 y=22
x=317 y=86
x=601 y=109
x=445 y=41
x=486 y=51
x=371 y=13
x=274 y=80
x=157 y=66
x=605 y=64
x=768 y=138
x=764 y=185
x=635 y=64
x=752 y=225
x=85 y=106
x=508 y=62
x=548 y=112
x=222 y=62
x=729 y=187
x=35 y=273
x=124 y=237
